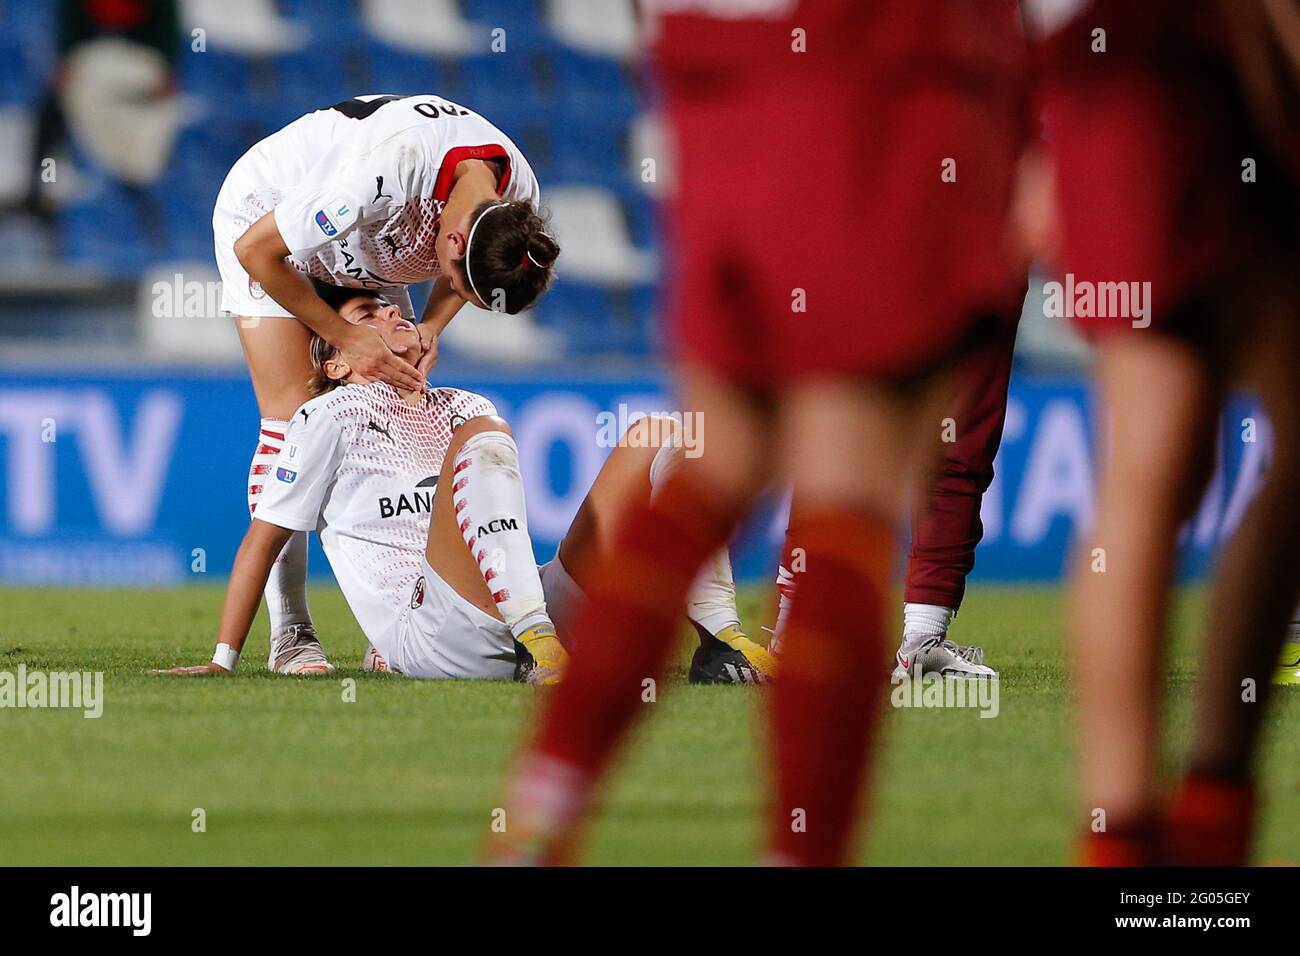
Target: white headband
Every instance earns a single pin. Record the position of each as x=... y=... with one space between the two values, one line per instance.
x=469 y=241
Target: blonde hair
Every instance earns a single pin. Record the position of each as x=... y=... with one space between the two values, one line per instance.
x=321 y=352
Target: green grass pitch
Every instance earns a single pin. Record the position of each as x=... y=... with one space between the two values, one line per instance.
x=287 y=772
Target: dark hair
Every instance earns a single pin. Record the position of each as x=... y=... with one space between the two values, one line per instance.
x=512 y=251
x=336 y=296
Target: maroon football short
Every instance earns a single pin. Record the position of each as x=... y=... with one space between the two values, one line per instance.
x=814 y=230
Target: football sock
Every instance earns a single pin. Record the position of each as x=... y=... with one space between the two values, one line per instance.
x=488 y=494
x=286 y=587
x=544 y=799
x=922 y=622
x=785 y=584
x=1209 y=822
x=826 y=698
x=711 y=602
x=625 y=631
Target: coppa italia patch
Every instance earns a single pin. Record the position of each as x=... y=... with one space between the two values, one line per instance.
x=290 y=461
x=339 y=209
x=326 y=226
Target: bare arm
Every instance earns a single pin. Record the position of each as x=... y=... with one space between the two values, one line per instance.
x=441 y=308
x=261 y=251
x=262 y=544
x=474 y=181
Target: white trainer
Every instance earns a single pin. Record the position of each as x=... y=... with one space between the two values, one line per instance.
x=297 y=650
x=938 y=655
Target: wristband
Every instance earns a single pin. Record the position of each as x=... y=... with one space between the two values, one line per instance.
x=225 y=656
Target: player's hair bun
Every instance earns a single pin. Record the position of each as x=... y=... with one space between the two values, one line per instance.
x=512 y=255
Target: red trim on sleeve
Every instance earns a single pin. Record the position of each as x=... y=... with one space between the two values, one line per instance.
x=442 y=185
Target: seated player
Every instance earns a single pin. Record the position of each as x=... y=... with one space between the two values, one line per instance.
x=419 y=504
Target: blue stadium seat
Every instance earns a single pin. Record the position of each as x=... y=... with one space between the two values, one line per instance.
x=534 y=140
x=507 y=85
x=648 y=306
x=225 y=81
x=328 y=20
x=188 y=226
x=522 y=20
x=204 y=154
x=23 y=71
x=594 y=320
x=508 y=12
x=596 y=87
x=106 y=230
x=30 y=19
x=592 y=152
x=401 y=72
x=643 y=218
x=321 y=74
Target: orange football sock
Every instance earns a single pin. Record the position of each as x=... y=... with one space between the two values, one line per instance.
x=1208 y=823
x=826 y=696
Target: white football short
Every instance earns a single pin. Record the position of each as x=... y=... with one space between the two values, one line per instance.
x=441 y=635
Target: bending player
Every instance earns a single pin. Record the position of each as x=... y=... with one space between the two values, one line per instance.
x=419 y=503
x=375 y=193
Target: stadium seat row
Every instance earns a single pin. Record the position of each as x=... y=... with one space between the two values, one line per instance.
x=573 y=102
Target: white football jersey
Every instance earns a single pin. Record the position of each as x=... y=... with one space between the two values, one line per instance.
x=359 y=466
x=357 y=188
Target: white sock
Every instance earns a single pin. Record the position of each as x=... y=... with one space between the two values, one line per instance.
x=921 y=622
x=286 y=588
x=488 y=493
x=711 y=602
x=785 y=601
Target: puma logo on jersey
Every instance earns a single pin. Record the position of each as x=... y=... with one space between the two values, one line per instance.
x=498 y=524
x=379 y=190
x=304 y=413
x=391 y=243
x=374 y=426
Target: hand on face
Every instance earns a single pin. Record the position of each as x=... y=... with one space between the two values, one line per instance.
x=398 y=333
x=385 y=348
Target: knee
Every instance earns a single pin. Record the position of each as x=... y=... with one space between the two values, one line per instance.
x=480 y=424
x=652 y=431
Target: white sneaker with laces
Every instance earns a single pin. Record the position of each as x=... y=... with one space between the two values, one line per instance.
x=938 y=655
x=297 y=650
